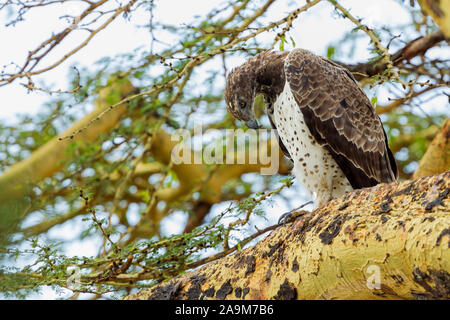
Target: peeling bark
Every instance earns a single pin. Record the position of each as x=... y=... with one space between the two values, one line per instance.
x=399 y=231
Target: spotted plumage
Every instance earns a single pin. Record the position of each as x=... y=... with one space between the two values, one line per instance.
x=325 y=123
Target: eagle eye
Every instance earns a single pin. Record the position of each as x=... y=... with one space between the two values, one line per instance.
x=242 y=104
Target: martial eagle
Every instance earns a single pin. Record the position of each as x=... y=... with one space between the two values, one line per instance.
x=325 y=123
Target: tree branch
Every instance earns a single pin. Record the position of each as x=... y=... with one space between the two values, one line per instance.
x=440 y=11
x=437 y=157
x=49 y=158
x=386 y=242
x=412 y=49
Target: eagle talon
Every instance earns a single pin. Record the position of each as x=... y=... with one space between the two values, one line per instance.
x=291 y=216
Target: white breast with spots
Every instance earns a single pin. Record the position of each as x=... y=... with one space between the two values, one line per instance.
x=314 y=167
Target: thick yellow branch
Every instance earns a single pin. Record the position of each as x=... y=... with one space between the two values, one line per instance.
x=440 y=11
x=191 y=175
x=49 y=158
x=386 y=242
x=437 y=156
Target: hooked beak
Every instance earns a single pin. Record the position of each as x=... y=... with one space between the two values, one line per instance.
x=252 y=124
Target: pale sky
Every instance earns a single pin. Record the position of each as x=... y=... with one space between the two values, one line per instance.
x=311 y=31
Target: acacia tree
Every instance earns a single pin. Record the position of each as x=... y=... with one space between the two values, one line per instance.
x=110 y=168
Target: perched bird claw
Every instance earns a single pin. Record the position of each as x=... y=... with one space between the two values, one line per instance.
x=291 y=216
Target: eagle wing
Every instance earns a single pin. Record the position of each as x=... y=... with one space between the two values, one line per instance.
x=340 y=118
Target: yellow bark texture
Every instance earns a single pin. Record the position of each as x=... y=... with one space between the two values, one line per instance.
x=440 y=11
x=437 y=157
x=386 y=242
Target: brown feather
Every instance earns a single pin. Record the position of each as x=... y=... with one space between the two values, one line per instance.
x=341 y=118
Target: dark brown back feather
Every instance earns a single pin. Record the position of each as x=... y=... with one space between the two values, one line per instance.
x=341 y=118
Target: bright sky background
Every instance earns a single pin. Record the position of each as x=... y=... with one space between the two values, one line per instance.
x=314 y=31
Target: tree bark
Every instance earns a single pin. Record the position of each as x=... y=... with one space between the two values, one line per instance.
x=386 y=242
x=440 y=11
x=437 y=157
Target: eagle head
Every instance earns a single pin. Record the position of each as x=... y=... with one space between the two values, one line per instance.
x=240 y=91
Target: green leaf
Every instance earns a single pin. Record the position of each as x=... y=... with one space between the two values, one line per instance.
x=374 y=101
x=292 y=40
x=330 y=52
x=282 y=41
